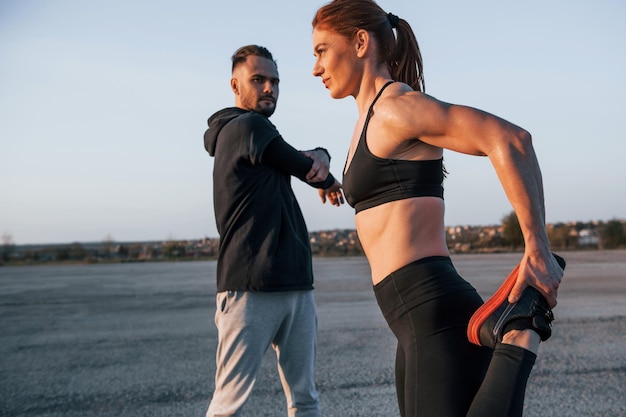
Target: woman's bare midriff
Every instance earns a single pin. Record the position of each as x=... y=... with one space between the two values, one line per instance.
x=397 y=233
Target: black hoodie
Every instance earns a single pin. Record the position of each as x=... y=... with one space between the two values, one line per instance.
x=264 y=243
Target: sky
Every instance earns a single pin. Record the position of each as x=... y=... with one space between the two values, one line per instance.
x=103 y=106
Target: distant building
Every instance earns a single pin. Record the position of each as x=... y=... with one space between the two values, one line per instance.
x=588 y=237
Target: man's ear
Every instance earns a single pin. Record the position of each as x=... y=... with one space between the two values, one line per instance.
x=362 y=41
x=234 y=85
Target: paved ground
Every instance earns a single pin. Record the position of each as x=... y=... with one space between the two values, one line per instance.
x=138 y=340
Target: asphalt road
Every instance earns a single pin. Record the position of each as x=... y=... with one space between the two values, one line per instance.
x=138 y=340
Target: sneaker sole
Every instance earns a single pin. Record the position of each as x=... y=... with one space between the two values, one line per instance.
x=492 y=304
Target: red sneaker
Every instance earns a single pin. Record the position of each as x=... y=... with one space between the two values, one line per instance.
x=497 y=316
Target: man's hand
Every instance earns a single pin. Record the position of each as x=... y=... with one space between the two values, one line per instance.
x=321 y=165
x=334 y=194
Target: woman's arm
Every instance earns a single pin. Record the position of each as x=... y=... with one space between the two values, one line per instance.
x=510 y=150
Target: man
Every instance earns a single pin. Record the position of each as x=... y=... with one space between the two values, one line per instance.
x=264 y=268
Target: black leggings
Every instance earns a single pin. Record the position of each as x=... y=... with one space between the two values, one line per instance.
x=427 y=305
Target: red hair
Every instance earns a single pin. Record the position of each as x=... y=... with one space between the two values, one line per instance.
x=400 y=52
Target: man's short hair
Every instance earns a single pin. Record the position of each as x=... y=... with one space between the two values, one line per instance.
x=244 y=52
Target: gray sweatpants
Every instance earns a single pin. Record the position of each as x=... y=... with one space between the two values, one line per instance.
x=247 y=324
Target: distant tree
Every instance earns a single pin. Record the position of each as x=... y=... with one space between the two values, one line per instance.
x=123 y=252
x=8 y=247
x=107 y=246
x=563 y=237
x=612 y=234
x=77 y=252
x=511 y=231
x=173 y=248
x=62 y=253
x=135 y=251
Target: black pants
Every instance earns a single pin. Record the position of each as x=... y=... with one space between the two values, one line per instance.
x=439 y=373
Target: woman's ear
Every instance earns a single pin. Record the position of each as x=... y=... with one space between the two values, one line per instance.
x=362 y=40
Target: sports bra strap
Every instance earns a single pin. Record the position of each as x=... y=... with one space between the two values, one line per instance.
x=369 y=112
x=378 y=96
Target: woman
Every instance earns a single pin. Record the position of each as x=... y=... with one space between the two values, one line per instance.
x=393 y=178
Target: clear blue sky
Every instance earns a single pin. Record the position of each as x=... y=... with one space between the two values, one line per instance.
x=103 y=106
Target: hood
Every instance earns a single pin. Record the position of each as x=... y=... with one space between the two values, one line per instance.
x=216 y=123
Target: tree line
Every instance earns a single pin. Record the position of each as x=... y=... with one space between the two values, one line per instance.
x=505 y=237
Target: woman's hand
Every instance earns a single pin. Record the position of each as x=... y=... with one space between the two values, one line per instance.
x=541 y=272
x=334 y=194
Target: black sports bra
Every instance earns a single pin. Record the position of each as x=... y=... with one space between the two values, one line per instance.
x=371 y=181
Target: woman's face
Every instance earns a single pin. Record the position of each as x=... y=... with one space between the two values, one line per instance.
x=336 y=63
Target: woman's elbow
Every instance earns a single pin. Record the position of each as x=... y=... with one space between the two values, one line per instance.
x=523 y=140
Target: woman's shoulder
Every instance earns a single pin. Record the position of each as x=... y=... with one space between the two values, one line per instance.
x=399 y=100
x=402 y=101
x=400 y=96
x=407 y=114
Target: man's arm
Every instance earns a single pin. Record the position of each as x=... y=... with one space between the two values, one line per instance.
x=321 y=164
x=285 y=158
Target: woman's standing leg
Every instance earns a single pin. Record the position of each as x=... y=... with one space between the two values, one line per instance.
x=428 y=307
